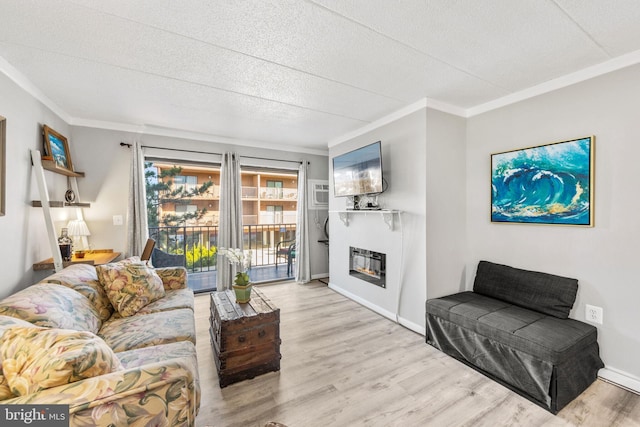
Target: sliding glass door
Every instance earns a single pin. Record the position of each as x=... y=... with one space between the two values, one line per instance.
x=183 y=201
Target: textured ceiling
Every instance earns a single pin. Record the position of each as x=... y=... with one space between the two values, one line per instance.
x=298 y=73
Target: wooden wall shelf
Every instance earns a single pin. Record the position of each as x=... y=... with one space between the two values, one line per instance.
x=61 y=204
x=50 y=165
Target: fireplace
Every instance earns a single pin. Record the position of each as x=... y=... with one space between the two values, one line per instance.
x=368 y=265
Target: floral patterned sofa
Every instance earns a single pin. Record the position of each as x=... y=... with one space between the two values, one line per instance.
x=115 y=352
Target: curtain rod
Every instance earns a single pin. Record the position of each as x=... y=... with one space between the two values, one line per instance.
x=125 y=144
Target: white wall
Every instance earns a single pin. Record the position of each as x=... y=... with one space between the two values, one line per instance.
x=106 y=185
x=403 y=158
x=605 y=258
x=22 y=229
x=446 y=203
x=424 y=164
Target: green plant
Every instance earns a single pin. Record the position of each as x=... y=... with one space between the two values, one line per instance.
x=200 y=256
x=242 y=260
x=242 y=279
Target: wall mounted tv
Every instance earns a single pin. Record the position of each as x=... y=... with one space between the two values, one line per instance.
x=358 y=172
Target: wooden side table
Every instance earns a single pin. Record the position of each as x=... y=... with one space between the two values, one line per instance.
x=245 y=337
x=95 y=257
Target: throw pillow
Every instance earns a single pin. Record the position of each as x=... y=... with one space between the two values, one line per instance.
x=130 y=286
x=35 y=359
x=52 y=306
x=83 y=279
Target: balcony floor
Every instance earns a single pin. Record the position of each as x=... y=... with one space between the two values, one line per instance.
x=206 y=281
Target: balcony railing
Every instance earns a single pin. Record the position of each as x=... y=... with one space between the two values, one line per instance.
x=278 y=193
x=199 y=243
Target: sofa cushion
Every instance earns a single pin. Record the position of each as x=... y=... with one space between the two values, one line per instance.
x=128 y=333
x=35 y=358
x=52 y=306
x=130 y=286
x=84 y=279
x=546 y=293
x=157 y=353
x=172 y=300
x=180 y=298
x=7 y=322
x=545 y=337
x=455 y=308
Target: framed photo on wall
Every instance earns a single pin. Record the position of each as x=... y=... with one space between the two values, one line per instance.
x=56 y=148
x=547 y=184
x=3 y=163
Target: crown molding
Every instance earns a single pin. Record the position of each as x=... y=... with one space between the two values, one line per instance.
x=614 y=64
x=405 y=111
x=434 y=104
x=194 y=136
x=409 y=109
x=25 y=84
x=100 y=124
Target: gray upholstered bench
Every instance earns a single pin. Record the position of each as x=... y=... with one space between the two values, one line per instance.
x=514 y=328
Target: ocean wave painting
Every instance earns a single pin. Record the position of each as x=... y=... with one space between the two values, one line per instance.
x=548 y=184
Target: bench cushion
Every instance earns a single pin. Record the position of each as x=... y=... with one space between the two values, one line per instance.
x=544 y=337
x=546 y=293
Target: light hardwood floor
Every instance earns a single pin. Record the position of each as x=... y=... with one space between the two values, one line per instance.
x=344 y=365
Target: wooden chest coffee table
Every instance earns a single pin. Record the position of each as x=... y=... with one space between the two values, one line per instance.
x=245 y=337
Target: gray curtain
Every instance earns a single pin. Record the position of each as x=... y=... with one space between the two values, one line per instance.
x=230 y=230
x=137 y=229
x=303 y=264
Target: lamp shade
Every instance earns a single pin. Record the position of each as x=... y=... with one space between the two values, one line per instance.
x=78 y=228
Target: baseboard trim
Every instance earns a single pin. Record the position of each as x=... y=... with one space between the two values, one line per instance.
x=319 y=276
x=381 y=311
x=620 y=378
x=413 y=326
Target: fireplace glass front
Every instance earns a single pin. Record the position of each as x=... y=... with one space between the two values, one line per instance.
x=368 y=265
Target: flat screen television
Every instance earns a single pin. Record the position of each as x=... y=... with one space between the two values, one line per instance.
x=358 y=172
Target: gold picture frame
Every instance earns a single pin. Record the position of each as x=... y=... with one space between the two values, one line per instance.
x=56 y=149
x=550 y=184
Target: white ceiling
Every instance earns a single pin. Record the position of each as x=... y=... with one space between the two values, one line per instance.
x=298 y=73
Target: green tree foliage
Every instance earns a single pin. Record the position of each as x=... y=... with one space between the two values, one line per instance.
x=161 y=189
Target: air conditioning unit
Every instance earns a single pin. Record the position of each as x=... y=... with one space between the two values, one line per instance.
x=318 y=194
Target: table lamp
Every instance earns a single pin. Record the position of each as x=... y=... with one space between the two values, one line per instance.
x=79 y=231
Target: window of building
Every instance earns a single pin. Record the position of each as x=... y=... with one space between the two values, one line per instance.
x=275 y=213
x=189 y=182
x=181 y=209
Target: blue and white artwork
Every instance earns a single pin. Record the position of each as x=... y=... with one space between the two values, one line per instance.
x=549 y=184
x=58 y=151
